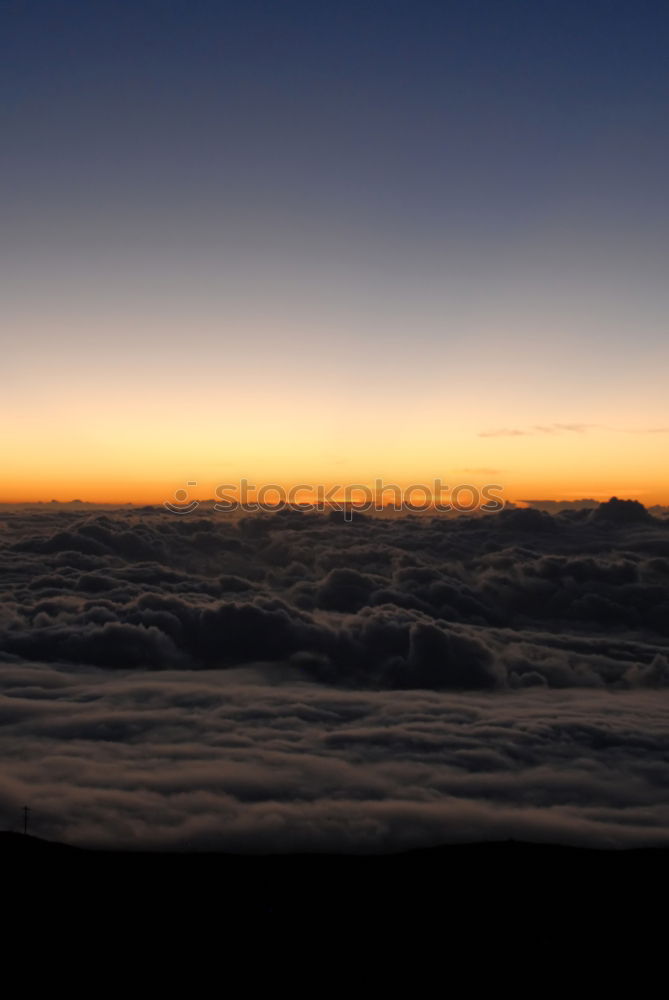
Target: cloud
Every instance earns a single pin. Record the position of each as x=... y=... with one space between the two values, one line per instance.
x=229 y=760
x=376 y=603
x=649 y=430
x=504 y=432
x=539 y=429
x=569 y=428
x=559 y=428
x=295 y=680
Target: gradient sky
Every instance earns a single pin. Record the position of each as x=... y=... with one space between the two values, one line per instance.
x=323 y=241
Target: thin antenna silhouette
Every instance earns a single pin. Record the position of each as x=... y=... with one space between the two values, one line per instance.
x=26 y=811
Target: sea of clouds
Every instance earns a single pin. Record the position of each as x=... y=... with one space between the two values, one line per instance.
x=293 y=681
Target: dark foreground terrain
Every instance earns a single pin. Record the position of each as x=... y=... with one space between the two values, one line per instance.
x=472 y=901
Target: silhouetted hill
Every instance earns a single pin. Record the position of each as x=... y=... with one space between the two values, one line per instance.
x=461 y=886
x=18 y=845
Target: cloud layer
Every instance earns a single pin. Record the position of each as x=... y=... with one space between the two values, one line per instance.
x=292 y=681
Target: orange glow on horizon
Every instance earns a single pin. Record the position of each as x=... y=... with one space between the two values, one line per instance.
x=139 y=437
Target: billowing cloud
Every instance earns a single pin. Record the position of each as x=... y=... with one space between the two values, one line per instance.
x=293 y=680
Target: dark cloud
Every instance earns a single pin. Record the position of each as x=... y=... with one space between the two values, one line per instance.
x=618 y=511
x=423 y=602
x=292 y=679
x=233 y=759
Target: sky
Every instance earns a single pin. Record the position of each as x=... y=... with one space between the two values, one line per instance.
x=329 y=242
